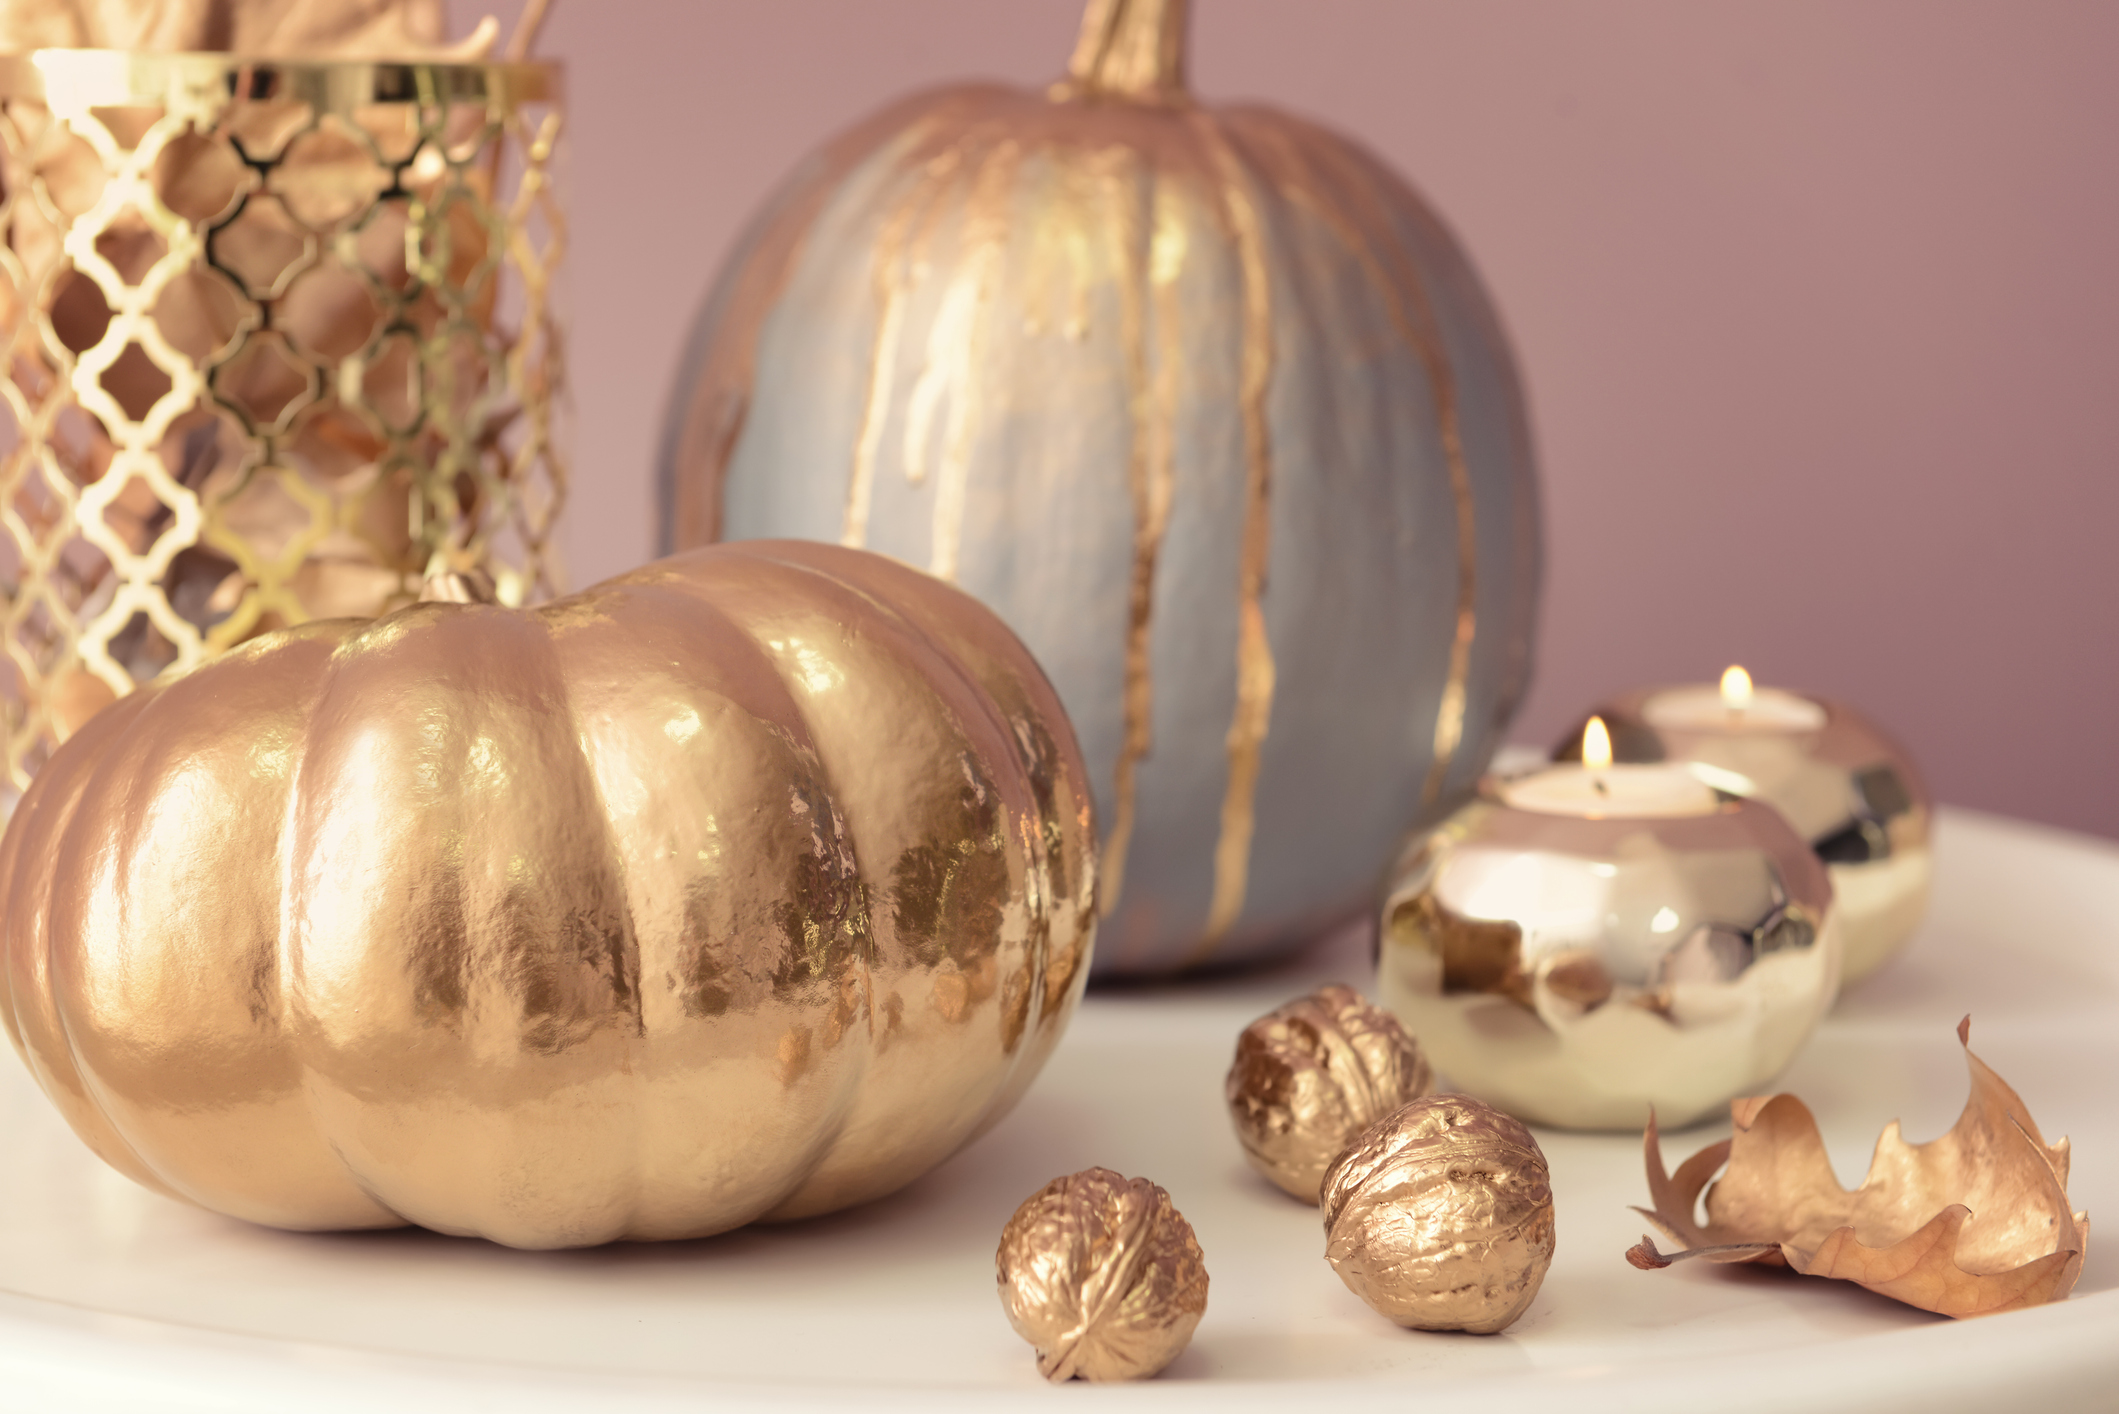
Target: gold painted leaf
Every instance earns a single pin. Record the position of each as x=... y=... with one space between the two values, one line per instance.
x=1965 y=1225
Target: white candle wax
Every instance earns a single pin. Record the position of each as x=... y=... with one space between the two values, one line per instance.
x=1625 y=792
x=1702 y=708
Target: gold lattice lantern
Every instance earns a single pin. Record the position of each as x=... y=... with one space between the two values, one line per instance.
x=280 y=345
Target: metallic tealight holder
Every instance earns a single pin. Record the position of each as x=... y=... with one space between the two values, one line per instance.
x=1847 y=788
x=1580 y=944
x=280 y=346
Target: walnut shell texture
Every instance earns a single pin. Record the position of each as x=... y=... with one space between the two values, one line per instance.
x=1441 y=1216
x=1311 y=1076
x=1102 y=1275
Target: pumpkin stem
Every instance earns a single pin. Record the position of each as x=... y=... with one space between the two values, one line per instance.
x=458 y=587
x=1129 y=49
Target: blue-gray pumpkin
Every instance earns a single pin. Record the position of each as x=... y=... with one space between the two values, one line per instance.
x=1207 y=404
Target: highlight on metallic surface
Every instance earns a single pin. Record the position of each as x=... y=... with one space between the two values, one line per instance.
x=282 y=345
x=1440 y=1216
x=1102 y=1275
x=1844 y=784
x=748 y=885
x=1579 y=971
x=1310 y=1076
x=1173 y=387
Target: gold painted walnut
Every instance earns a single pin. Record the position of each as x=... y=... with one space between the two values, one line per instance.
x=1975 y=1222
x=1441 y=1216
x=1310 y=1077
x=750 y=884
x=1102 y=1275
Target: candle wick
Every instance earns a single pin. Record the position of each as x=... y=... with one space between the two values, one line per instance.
x=1598 y=782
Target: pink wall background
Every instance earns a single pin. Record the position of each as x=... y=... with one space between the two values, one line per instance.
x=1818 y=301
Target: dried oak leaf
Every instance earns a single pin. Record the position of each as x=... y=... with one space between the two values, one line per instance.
x=1965 y=1225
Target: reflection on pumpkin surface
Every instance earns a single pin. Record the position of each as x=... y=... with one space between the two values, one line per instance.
x=750 y=884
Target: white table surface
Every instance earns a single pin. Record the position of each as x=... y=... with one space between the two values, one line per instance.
x=112 y=1298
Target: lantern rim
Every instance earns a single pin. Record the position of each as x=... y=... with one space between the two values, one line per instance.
x=73 y=79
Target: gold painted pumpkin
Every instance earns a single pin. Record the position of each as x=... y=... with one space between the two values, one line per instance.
x=750 y=884
x=1207 y=404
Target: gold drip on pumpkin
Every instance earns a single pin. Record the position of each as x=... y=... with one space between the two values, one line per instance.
x=707 y=436
x=1422 y=333
x=1151 y=400
x=952 y=366
x=1254 y=653
x=882 y=367
x=1449 y=714
x=1418 y=327
x=895 y=250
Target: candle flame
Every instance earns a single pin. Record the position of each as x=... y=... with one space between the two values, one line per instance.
x=1736 y=689
x=1596 y=744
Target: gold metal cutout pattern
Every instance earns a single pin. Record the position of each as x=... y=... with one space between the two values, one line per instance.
x=280 y=345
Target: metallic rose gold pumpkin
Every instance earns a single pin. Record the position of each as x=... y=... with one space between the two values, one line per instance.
x=748 y=885
x=1207 y=404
